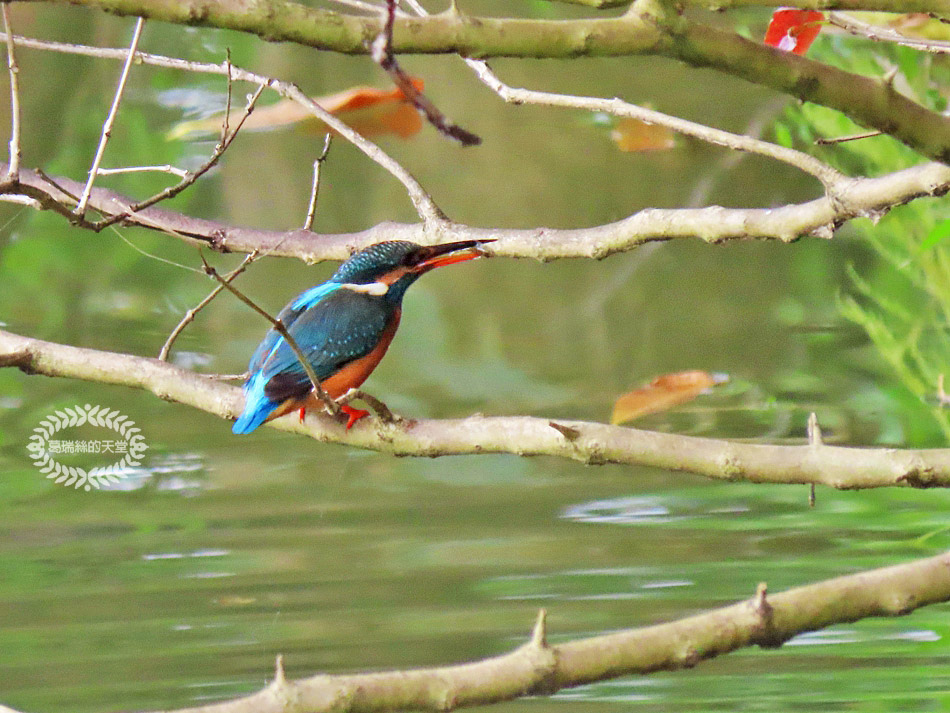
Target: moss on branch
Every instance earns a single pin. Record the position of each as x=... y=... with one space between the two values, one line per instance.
x=869 y=102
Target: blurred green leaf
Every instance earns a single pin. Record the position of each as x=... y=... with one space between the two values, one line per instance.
x=939 y=233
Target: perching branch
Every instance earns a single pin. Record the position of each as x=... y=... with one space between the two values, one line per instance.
x=586 y=442
x=538 y=667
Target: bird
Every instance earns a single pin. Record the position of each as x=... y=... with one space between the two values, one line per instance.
x=343 y=327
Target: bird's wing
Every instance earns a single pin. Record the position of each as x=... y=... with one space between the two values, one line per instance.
x=288 y=315
x=343 y=326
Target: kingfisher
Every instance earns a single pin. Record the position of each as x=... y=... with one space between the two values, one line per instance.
x=343 y=327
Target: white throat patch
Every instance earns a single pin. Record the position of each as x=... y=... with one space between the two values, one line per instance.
x=377 y=289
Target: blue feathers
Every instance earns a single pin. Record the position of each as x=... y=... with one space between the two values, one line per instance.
x=257 y=407
x=310 y=297
x=351 y=316
x=333 y=326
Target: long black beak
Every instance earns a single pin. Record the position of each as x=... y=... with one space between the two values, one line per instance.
x=432 y=256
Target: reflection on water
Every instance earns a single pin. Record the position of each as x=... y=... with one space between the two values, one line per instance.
x=625 y=511
x=164 y=472
x=639 y=510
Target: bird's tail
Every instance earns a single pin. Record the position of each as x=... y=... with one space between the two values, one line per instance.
x=257 y=407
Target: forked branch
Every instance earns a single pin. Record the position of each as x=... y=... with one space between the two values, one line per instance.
x=859 y=198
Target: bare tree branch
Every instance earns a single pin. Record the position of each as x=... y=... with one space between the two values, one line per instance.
x=540 y=668
x=383 y=55
x=862 y=197
x=885 y=34
x=831 y=178
x=227 y=138
x=13 y=169
x=110 y=119
x=594 y=443
x=315 y=187
x=656 y=31
x=192 y=313
x=428 y=211
x=166 y=168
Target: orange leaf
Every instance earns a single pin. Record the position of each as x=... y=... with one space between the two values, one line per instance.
x=362 y=97
x=663 y=393
x=369 y=110
x=635 y=135
x=401 y=119
x=794 y=30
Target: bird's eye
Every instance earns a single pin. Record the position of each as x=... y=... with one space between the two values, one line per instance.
x=413 y=258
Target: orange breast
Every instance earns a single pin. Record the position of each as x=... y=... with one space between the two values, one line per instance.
x=356 y=372
x=349 y=377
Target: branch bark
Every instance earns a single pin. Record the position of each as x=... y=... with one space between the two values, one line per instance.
x=539 y=668
x=862 y=197
x=586 y=442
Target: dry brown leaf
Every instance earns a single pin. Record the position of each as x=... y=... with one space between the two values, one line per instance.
x=663 y=393
x=369 y=110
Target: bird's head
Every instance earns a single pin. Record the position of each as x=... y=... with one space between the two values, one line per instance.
x=387 y=269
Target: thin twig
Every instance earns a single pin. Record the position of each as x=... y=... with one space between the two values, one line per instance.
x=227 y=106
x=815 y=441
x=167 y=168
x=281 y=329
x=190 y=314
x=383 y=411
x=21 y=200
x=57 y=185
x=190 y=176
x=315 y=189
x=427 y=209
x=13 y=172
x=110 y=119
x=881 y=34
x=842 y=139
x=832 y=179
x=382 y=53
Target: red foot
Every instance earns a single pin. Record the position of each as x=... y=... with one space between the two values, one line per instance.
x=353 y=414
x=303 y=412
